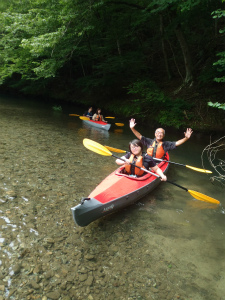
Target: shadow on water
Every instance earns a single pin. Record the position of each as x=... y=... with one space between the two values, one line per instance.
x=166 y=246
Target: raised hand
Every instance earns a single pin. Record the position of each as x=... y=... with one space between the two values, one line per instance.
x=188 y=133
x=132 y=123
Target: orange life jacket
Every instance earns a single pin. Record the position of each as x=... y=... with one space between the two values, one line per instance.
x=138 y=162
x=156 y=150
x=98 y=118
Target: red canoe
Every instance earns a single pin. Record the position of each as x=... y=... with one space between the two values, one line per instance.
x=115 y=192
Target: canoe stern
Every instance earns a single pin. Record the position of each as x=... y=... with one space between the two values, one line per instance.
x=86 y=212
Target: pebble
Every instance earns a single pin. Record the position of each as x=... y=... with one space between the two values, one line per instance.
x=53 y=295
x=2 y=288
x=83 y=277
x=89 y=281
x=17 y=269
x=34 y=285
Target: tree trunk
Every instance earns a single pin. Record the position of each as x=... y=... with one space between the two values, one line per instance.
x=163 y=48
x=187 y=56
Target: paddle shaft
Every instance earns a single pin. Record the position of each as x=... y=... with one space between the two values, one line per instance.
x=171 y=162
x=145 y=170
x=158 y=159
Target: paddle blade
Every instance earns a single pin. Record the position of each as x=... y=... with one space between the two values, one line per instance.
x=119 y=124
x=110 y=117
x=199 y=170
x=203 y=197
x=84 y=118
x=96 y=147
x=115 y=150
x=73 y=115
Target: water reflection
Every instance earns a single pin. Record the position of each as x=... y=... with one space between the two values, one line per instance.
x=118 y=131
x=202 y=205
x=95 y=134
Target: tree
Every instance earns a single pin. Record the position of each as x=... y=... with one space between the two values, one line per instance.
x=218 y=14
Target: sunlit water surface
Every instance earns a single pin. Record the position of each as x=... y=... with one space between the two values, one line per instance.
x=166 y=246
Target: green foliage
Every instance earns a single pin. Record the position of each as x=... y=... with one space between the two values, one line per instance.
x=154 y=105
x=221 y=66
x=175 y=113
x=37 y=40
x=57 y=108
x=221 y=62
x=71 y=47
x=217 y=105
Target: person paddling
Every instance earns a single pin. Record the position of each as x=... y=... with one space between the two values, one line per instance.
x=136 y=157
x=98 y=116
x=157 y=147
x=88 y=113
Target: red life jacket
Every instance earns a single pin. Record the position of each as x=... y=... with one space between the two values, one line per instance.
x=138 y=162
x=98 y=118
x=156 y=150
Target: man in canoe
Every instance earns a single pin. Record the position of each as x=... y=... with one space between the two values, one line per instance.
x=157 y=147
x=136 y=157
x=98 y=116
x=88 y=113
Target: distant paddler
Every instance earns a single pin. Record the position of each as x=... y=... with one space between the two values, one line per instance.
x=88 y=113
x=98 y=116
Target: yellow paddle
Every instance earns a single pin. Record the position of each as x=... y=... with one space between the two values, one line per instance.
x=115 y=149
x=84 y=118
x=100 y=149
x=74 y=115
x=158 y=159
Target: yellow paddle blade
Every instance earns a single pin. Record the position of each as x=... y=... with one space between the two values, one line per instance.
x=199 y=170
x=110 y=117
x=119 y=124
x=84 y=118
x=203 y=197
x=73 y=115
x=115 y=150
x=96 y=147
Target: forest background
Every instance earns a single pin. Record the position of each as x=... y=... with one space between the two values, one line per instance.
x=160 y=61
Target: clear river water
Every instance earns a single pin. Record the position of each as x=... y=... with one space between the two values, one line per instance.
x=166 y=246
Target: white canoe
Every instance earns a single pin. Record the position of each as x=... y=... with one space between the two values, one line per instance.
x=98 y=124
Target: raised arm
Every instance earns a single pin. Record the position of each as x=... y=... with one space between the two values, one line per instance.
x=187 y=136
x=135 y=132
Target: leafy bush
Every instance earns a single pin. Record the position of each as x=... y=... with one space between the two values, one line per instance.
x=217 y=105
x=153 y=104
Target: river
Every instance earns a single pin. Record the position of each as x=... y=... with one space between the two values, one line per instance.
x=166 y=246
